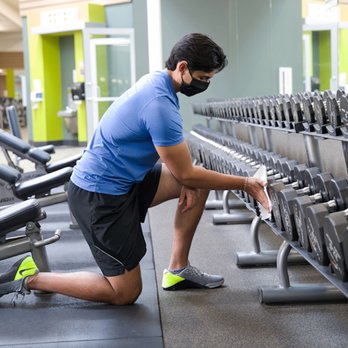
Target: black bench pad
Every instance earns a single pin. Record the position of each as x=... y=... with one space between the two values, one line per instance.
x=66 y=162
x=18 y=215
x=11 y=142
x=9 y=174
x=42 y=184
x=39 y=155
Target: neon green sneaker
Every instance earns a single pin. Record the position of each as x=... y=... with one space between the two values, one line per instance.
x=190 y=277
x=14 y=280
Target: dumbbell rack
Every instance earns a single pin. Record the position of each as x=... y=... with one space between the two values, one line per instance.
x=285 y=292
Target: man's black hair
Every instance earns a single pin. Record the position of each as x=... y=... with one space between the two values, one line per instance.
x=200 y=52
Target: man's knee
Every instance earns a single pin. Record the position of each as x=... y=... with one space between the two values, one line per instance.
x=126 y=287
x=126 y=296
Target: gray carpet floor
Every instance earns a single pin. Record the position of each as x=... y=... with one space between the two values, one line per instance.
x=232 y=316
x=53 y=320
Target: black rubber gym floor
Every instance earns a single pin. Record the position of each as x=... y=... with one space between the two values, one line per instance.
x=53 y=320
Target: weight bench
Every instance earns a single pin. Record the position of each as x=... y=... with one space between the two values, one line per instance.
x=25 y=214
x=41 y=159
x=12 y=118
x=13 y=189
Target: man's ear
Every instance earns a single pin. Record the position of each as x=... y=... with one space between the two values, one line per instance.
x=182 y=66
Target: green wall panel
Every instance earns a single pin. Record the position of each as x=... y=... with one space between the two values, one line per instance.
x=10 y=83
x=52 y=129
x=324 y=59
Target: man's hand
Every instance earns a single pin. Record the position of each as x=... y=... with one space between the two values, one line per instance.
x=255 y=187
x=188 y=198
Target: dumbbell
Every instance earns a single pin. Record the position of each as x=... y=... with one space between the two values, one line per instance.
x=273 y=121
x=321 y=110
x=223 y=160
x=279 y=109
x=278 y=167
x=318 y=189
x=344 y=115
x=287 y=112
x=333 y=112
x=243 y=110
x=255 y=109
x=315 y=214
x=339 y=93
x=266 y=105
x=336 y=241
x=285 y=173
x=229 y=110
x=333 y=106
x=321 y=118
x=275 y=187
x=338 y=115
x=308 y=114
x=239 y=109
x=301 y=203
x=297 y=114
x=273 y=162
x=248 y=108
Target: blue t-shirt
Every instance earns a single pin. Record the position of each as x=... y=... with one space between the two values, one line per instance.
x=122 y=149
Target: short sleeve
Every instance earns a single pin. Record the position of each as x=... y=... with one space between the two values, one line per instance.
x=163 y=122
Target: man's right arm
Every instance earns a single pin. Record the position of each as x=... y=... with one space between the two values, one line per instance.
x=178 y=160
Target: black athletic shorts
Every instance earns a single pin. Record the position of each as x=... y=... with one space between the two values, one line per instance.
x=112 y=224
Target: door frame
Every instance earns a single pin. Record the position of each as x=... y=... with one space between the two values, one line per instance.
x=92 y=117
x=333 y=29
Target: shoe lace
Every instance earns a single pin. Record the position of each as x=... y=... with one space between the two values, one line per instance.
x=197 y=272
x=21 y=291
x=15 y=298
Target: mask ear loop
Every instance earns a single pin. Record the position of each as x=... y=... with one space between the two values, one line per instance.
x=182 y=79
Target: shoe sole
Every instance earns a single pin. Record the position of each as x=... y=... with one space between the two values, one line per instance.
x=187 y=284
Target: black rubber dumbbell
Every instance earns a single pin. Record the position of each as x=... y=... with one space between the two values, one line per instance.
x=301 y=203
x=279 y=169
x=308 y=113
x=289 y=118
x=321 y=119
x=255 y=106
x=336 y=241
x=272 y=111
x=335 y=122
x=275 y=187
x=321 y=111
x=315 y=215
x=318 y=190
x=279 y=109
x=316 y=183
x=333 y=111
x=297 y=114
x=344 y=114
x=266 y=107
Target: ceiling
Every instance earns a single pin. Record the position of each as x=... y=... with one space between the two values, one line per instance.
x=10 y=26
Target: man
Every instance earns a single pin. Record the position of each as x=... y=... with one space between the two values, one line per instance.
x=119 y=177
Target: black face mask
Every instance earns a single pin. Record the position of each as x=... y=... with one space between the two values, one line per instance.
x=196 y=86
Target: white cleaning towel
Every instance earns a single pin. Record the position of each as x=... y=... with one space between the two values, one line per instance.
x=262 y=174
